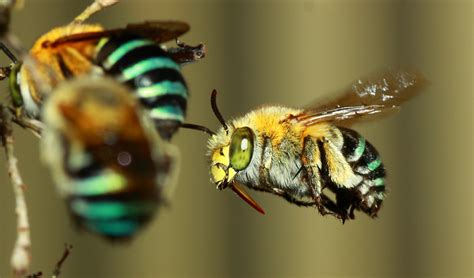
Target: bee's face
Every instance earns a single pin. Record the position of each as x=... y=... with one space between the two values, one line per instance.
x=227 y=160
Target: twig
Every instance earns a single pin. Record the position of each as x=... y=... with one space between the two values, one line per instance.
x=35 y=126
x=35 y=275
x=21 y=256
x=6 y=7
x=16 y=4
x=57 y=269
x=93 y=8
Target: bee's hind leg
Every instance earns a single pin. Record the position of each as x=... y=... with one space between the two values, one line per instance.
x=186 y=54
x=311 y=164
x=289 y=198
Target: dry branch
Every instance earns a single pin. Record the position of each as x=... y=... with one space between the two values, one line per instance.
x=59 y=264
x=21 y=257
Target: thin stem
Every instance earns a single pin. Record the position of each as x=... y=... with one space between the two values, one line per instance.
x=21 y=256
x=35 y=126
x=59 y=264
x=93 y=8
x=18 y=4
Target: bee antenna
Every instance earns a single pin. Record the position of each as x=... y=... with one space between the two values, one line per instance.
x=198 y=127
x=8 y=53
x=216 y=111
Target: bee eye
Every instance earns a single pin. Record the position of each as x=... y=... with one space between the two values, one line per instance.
x=241 y=148
x=15 y=87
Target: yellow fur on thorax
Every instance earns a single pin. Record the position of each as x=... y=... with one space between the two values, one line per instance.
x=265 y=122
x=47 y=68
x=317 y=131
x=46 y=55
x=60 y=32
x=271 y=122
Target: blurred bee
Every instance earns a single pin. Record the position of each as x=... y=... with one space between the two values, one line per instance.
x=297 y=153
x=132 y=55
x=106 y=159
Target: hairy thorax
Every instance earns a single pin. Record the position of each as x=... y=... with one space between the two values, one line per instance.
x=276 y=164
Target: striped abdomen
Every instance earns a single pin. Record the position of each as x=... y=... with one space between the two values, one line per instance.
x=107 y=202
x=365 y=162
x=151 y=73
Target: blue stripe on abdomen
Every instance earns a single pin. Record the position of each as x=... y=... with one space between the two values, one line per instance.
x=163 y=88
x=167 y=112
x=110 y=209
x=106 y=182
x=154 y=76
x=144 y=66
x=122 y=50
x=112 y=218
x=114 y=228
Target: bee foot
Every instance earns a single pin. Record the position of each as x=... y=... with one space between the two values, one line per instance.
x=185 y=54
x=322 y=206
x=322 y=209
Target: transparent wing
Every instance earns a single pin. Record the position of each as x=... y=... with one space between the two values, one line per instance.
x=158 y=31
x=375 y=96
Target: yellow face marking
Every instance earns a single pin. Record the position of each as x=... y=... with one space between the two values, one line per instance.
x=231 y=174
x=221 y=156
x=218 y=174
x=219 y=161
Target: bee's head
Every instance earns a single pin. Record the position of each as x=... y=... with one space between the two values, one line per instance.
x=231 y=151
x=229 y=159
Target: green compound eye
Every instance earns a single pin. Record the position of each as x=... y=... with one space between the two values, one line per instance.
x=15 y=93
x=241 y=148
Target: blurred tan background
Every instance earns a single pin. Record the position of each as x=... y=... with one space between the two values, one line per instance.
x=290 y=53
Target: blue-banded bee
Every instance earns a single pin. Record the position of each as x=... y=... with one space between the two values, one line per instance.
x=155 y=77
x=105 y=156
x=132 y=54
x=298 y=153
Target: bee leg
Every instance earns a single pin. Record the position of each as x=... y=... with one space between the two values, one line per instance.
x=266 y=164
x=326 y=206
x=291 y=199
x=346 y=199
x=351 y=212
x=310 y=160
x=186 y=54
x=35 y=126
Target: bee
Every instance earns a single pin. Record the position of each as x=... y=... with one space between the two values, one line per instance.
x=300 y=154
x=133 y=55
x=106 y=158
